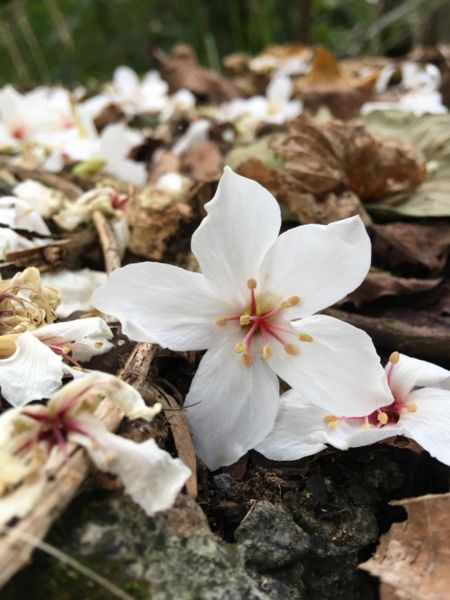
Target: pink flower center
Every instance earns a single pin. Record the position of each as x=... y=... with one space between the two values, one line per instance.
x=263 y=318
x=386 y=415
x=19 y=132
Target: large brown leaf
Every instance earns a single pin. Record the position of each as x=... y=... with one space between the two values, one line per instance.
x=337 y=156
x=181 y=71
x=413 y=558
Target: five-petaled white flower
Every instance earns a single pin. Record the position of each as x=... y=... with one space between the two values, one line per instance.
x=417 y=407
x=251 y=308
x=35 y=440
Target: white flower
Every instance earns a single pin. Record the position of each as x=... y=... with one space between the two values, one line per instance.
x=36 y=439
x=33 y=364
x=242 y=310
x=421 y=91
x=76 y=288
x=20 y=118
x=275 y=107
x=136 y=97
x=418 y=407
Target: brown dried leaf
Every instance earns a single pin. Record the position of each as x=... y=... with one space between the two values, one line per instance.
x=253 y=168
x=166 y=162
x=327 y=85
x=338 y=156
x=413 y=558
x=181 y=71
x=379 y=284
x=416 y=243
x=331 y=207
x=203 y=162
x=155 y=219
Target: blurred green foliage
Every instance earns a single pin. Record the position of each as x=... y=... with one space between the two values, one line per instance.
x=79 y=40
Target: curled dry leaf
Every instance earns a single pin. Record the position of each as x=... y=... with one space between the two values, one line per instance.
x=181 y=71
x=337 y=156
x=155 y=218
x=413 y=557
x=379 y=284
x=327 y=85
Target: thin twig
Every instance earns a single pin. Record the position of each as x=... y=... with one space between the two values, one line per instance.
x=180 y=431
x=108 y=241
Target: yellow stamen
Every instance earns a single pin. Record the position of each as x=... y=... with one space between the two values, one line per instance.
x=244 y=320
x=267 y=352
x=98 y=345
x=331 y=421
x=411 y=407
x=305 y=337
x=221 y=321
x=248 y=359
x=394 y=358
x=240 y=347
x=66 y=349
x=382 y=418
x=291 y=349
x=292 y=301
x=251 y=283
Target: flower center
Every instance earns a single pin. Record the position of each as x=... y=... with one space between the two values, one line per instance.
x=262 y=317
x=386 y=415
x=19 y=132
x=52 y=429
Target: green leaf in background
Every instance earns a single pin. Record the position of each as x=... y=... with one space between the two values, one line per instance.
x=431 y=135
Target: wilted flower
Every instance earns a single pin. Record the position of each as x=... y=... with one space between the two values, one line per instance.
x=108 y=200
x=25 y=303
x=418 y=407
x=46 y=201
x=36 y=439
x=246 y=308
x=46 y=355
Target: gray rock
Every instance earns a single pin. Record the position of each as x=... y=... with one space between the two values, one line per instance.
x=269 y=537
x=223 y=481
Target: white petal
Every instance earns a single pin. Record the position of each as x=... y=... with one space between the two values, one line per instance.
x=161 y=302
x=127 y=170
x=280 y=88
x=299 y=431
x=230 y=407
x=242 y=224
x=76 y=288
x=339 y=370
x=19 y=214
x=350 y=434
x=409 y=373
x=150 y=475
x=85 y=337
x=430 y=424
x=31 y=373
x=319 y=263
x=126 y=81
x=21 y=501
